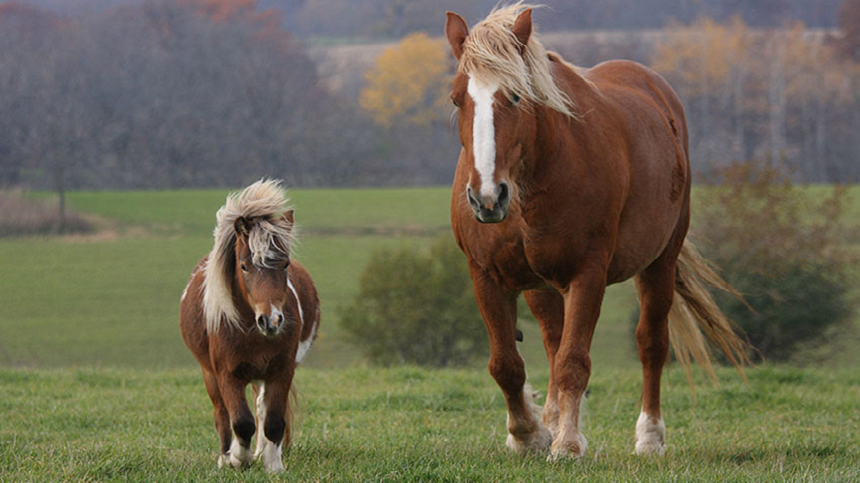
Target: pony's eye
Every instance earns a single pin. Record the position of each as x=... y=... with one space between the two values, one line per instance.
x=456 y=104
x=515 y=99
x=244 y=267
x=287 y=265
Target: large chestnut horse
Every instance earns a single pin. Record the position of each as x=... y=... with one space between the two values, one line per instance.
x=249 y=315
x=570 y=180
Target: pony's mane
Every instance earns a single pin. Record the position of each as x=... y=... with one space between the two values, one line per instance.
x=269 y=240
x=492 y=54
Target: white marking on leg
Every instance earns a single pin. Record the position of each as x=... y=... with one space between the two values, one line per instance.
x=650 y=435
x=239 y=455
x=526 y=432
x=298 y=302
x=484 y=134
x=272 y=456
x=569 y=442
x=261 y=419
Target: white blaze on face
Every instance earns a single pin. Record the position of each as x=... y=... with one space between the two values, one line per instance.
x=484 y=134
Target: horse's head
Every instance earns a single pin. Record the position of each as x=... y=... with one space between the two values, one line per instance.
x=493 y=126
x=503 y=78
x=262 y=259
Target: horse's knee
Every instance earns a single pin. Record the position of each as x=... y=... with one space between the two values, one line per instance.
x=244 y=428
x=510 y=374
x=571 y=373
x=274 y=427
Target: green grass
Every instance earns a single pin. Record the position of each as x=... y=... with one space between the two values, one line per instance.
x=113 y=301
x=416 y=425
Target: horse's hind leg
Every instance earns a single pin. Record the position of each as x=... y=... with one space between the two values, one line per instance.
x=548 y=308
x=656 y=286
x=222 y=417
x=499 y=310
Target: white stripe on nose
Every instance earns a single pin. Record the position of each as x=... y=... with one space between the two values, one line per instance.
x=484 y=134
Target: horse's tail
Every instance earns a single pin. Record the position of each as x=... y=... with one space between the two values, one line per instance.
x=695 y=317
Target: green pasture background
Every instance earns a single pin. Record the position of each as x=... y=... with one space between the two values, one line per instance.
x=96 y=384
x=111 y=299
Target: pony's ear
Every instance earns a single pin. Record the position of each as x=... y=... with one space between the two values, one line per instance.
x=288 y=217
x=523 y=27
x=242 y=226
x=456 y=30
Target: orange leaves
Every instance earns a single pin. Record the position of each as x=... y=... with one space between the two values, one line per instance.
x=408 y=82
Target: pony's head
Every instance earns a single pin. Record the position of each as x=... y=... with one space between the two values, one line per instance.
x=503 y=75
x=250 y=258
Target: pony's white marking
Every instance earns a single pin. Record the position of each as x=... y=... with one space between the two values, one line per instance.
x=276 y=312
x=305 y=345
x=239 y=455
x=484 y=134
x=538 y=438
x=650 y=435
x=185 y=292
x=261 y=418
x=298 y=302
x=268 y=451
x=272 y=456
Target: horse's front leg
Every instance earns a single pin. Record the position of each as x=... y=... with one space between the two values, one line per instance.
x=272 y=411
x=582 y=302
x=499 y=309
x=241 y=420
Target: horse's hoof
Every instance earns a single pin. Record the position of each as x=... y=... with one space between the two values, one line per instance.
x=573 y=449
x=224 y=460
x=650 y=436
x=537 y=441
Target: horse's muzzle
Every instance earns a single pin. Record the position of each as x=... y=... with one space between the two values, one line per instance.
x=270 y=326
x=490 y=209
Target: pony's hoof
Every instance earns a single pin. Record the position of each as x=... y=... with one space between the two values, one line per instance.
x=650 y=436
x=224 y=460
x=276 y=466
x=573 y=449
x=537 y=441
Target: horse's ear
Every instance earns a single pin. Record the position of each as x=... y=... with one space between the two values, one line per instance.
x=242 y=226
x=288 y=217
x=456 y=30
x=523 y=27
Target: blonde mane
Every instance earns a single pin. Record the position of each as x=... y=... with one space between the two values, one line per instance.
x=493 y=55
x=269 y=240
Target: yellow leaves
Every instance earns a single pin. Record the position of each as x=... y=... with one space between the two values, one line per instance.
x=408 y=83
x=702 y=55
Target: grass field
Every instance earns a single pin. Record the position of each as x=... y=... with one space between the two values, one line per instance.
x=96 y=385
x=112 y=299
x=417 y=425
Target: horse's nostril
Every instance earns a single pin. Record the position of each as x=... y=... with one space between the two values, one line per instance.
x=262 y=321
x=504 y=193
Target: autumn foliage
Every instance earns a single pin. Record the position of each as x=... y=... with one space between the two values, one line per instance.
x=408 y=83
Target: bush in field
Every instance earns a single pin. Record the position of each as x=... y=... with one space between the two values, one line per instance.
x=780 y=246
x=20 y=216
x=416 y=305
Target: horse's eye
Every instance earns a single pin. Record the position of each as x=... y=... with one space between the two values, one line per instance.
x=456 y=104
x=287 y=265
x=244 y=267
x=515 y=99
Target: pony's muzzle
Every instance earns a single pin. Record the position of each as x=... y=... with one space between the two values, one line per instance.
x=490 y=209
x=270 y=325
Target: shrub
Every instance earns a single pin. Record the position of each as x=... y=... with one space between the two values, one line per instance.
x=21 y=216
x=781 y=247
x=416 y=305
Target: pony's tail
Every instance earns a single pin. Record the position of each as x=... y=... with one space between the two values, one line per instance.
x=695 y=317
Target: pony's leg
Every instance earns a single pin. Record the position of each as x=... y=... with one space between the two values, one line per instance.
x=241 y=420
x=656 y=286
x=548 y=308
x=499 y=310
x=222 y=417
x=258 y=389
x=572 y=366
x=275 y=431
